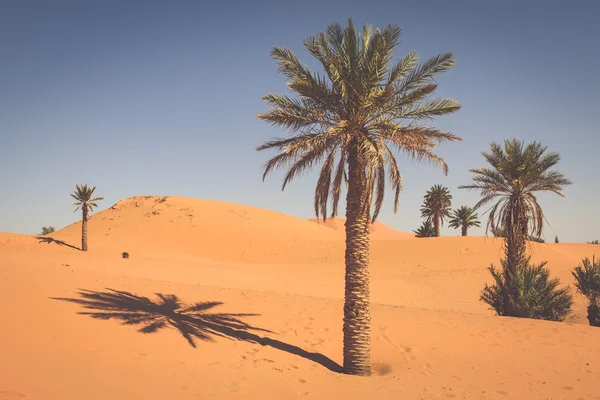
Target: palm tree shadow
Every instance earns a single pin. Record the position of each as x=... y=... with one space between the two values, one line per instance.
x=47 y=239
x=194 y=322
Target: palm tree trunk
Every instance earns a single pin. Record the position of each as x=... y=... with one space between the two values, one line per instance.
x=516 y=240
x=357 y=313
x=464 y=230
x=516 y=236
x=436 y=224
x=84 y=230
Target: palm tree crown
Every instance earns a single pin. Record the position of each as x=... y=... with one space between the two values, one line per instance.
x=351 y=118
x=436 y=206
x=464 y=218
x=83 y=195
x=363 y=103
x=517 y=172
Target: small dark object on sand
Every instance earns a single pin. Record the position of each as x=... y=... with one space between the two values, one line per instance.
x=125 y=254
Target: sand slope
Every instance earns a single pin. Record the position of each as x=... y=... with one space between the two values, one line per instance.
x=379 y=230
x=432 y=338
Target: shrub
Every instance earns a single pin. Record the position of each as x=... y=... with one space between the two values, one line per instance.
x=47 y=229
x=587 y=281
x=425 y=230
x=530 y=292
x=594 y=242
x=556 y=239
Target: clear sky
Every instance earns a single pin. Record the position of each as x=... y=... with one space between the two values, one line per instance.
x=160 y=98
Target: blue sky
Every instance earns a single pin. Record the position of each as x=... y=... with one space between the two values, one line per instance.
x=160 y=98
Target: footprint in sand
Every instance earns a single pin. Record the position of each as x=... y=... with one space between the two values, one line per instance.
x=407 y=351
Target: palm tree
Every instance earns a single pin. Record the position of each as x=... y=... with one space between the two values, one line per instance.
x=350 y=118
x=464 y=218
x=436 y=206
x=83 y=195
x=425 y=230
x=517 y=173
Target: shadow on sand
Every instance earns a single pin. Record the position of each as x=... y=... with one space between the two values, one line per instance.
x=47 y=239
x=192 y=321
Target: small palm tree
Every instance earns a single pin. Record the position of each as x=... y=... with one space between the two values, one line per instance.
x=587 y=281
x=425 y=230
x=85 y=202
x=517 y=172
x=351 y=118
x=464 y=218
x=437 y=206
x=47 y=229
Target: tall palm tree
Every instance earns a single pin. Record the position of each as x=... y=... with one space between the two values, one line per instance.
x=464 y=218
x=436 y=206
x=517 y=172
x=350 y=118
x=85 y=202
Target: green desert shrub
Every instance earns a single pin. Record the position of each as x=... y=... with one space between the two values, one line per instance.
x=425 y=230
x=47 y=229
x=594 y=242
x=531 y=293
x=587 y=281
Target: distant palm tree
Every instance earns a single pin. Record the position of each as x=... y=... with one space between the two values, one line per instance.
x=425 y=230
x=464 y=218
x=594 y=242
x=350 y=119
x=85 y=202
x=517 y=172
x=437 y=206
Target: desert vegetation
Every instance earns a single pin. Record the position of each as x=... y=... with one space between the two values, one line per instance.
x=425 y=230
x=517 y=171
x=587 y=281
x=47 y=229
x=86 y=203
x=363 y=106
x=464 y=218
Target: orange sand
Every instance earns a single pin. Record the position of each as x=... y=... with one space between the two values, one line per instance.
x=431 y=336
x=379 y=231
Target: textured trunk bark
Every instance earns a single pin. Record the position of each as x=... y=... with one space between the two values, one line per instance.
x=436 y=225
x=84 y=230
x=516 y=240
x=357 y=313
x=516 y=236
x=464 y=230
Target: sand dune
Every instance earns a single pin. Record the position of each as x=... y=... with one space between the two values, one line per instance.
x=73 y=322
x=379 y=231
